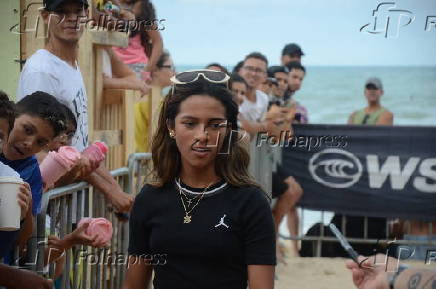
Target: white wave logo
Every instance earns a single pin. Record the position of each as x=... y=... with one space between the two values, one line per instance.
x=335 y=168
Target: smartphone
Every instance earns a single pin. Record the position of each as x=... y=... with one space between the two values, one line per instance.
x=344 y=243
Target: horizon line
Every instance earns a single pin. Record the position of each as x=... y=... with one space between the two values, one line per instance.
x=329 y=65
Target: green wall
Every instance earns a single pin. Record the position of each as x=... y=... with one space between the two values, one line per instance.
x=9 y=46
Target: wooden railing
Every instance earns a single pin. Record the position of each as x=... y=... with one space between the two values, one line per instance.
x=111 y=112
x=118 y=119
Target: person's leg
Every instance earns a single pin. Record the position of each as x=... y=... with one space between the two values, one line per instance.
x=281 y=207
x=281 y=195
x=293 y=226
x=279 y=211
x=295 y=192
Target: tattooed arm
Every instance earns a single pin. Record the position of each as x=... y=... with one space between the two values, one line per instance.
x=416 y=279
x=376 y=272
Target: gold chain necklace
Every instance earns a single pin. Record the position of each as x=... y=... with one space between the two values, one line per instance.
x=188 y=216
x=188 y=199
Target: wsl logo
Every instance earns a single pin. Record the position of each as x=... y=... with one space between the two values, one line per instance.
x=335 y=168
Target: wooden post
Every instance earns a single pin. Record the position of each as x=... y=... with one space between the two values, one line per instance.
x=129 y=122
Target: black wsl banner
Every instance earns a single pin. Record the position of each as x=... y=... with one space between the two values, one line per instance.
x=374 y=171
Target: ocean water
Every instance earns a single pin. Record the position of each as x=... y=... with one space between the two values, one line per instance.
x=331 y=94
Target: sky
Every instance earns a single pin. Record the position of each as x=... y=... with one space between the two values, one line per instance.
x=198 y=32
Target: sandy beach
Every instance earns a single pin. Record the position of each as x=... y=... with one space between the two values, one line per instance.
x=320 y=273
x=302 y=273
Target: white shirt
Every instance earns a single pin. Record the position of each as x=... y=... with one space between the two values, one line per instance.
x=7 y=171
x=46 y=72
x=254 y=111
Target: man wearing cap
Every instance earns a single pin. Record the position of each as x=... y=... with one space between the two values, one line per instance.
x=55 y=70
x=374 y=113
x=280 y=75
x=291 y=52
x=268 y=87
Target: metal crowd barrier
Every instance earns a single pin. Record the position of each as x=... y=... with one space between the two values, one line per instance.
x=62 y=208
x=323 y=236
x=87 y=267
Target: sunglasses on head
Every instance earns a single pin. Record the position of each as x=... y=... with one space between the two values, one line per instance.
x=190 y=76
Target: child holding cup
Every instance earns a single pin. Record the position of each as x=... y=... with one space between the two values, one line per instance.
x=9 y=276
x=7 y=232
x=39 y=119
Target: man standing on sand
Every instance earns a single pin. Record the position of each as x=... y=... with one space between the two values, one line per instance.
x=374 y=113
x=55 y=70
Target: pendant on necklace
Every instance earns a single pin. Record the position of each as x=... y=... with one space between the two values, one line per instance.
x=187 y=219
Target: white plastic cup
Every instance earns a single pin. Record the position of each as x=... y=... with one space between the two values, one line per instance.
x=10 y=210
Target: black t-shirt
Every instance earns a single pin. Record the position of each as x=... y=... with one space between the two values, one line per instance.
x=230 y=229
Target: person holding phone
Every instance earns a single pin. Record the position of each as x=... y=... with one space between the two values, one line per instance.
x=382 y=272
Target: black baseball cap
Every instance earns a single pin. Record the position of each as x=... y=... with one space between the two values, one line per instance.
x=292 y=48
x=274 y=69
x=51 y=5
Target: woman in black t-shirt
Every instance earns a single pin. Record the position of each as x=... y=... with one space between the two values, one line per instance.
x=203 y=223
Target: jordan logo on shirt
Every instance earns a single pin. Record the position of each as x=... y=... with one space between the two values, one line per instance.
x=221 y=223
